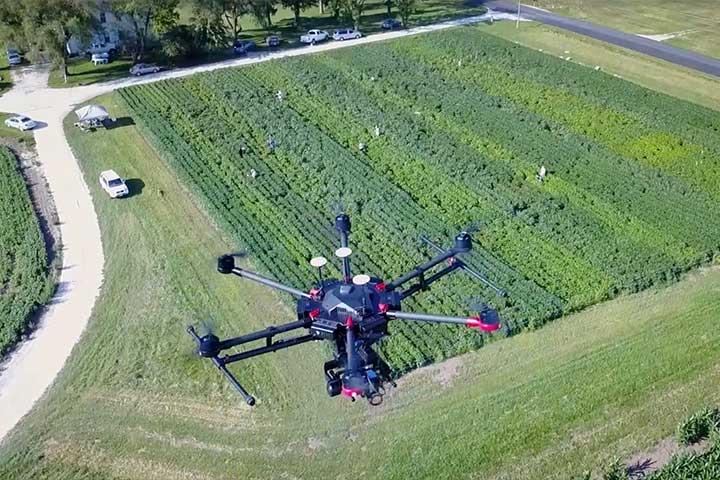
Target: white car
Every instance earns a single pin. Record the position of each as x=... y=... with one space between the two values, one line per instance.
x=143 y=68
x=100 y=58
x=346 y=34
x=20 y=122
x=113 y=184
x=314 y=36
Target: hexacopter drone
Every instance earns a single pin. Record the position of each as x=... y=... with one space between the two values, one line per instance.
x=353 y=313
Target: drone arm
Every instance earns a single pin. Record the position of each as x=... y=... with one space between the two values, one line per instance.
x=486 y=322
x=249 y=399
x=266 y=333
x=270 y=347
x=424 y=283
x=468 y=270
x=268 y=282
x=421 y=269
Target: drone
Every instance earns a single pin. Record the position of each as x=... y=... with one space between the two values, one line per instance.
x=353 y=313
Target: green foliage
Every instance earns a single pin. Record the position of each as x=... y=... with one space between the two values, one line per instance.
x=25 y=283
x=615 y=471
x=46 y=26
x=461 y=140
x=145 y=16
x=183 y=41
x=698 y=426
x=406 y=8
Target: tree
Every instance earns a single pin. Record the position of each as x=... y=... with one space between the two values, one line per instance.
x=388 y=5
x=224 y=14
x=406 y=8
x=161 y=15
x=355 y=8
x=336 y=7
x=297 y=6
x=46 y=26
x=263 y=10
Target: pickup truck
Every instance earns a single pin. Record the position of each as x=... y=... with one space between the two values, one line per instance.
x=314 y=36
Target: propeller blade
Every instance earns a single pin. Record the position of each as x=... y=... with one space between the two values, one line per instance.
x=207 y=327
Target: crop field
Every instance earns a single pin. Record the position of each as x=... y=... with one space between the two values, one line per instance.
x=25 y=282
x=133 y=403
x=466 y=120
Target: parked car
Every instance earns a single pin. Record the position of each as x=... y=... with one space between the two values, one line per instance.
x=113 y=184
x=241 y=47
x=14 y=59
x=143 y=68
x=391 y=24
x=109 y=48
x=20 y=122
x=272 y=41
x=346 y=34
x=314 y=36
x=100 y=58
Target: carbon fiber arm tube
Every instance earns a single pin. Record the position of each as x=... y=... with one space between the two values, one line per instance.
x=268 y=282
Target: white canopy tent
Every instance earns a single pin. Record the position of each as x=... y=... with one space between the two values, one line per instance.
x=92 y=112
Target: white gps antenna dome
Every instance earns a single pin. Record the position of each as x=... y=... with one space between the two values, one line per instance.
x=361 y=280
x=318 y=262
x=343 y=252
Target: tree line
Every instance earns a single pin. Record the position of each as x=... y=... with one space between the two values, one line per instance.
x=44 y=27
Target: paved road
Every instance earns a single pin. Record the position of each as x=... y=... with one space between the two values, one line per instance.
x=663 y=51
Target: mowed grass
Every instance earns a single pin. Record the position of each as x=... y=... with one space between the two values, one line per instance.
x=646 y=71
x=695 y=23
x=13 y=134
x=81 y=71
x=133 y=404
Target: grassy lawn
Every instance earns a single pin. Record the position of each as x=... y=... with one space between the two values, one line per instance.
x=635 y=67
x=82 y=72
x=133 y=403
x=695 y=23
x=13 y=133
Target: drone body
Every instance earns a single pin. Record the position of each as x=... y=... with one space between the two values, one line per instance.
x=352 y=312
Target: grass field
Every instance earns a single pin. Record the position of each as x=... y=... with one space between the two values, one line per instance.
x=695 y=23
x=641 y=69
x=25 y=280
x=463 y=135
x=133 y=404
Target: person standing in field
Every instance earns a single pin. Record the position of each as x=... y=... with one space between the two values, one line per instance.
x=542 y=174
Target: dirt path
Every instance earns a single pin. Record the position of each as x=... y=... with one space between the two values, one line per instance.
x=27 y=374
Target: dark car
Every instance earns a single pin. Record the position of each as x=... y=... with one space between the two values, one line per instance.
x=241 y=47
x=391 y=24
x=273 y=41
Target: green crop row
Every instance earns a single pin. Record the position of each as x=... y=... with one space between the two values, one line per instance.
x=462 y=133
x=25 y=283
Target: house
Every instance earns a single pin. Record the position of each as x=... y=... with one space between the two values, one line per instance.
x=111 y=34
